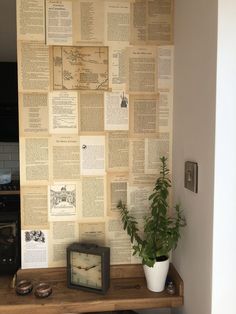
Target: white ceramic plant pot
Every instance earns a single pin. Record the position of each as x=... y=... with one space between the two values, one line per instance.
x=156 y=275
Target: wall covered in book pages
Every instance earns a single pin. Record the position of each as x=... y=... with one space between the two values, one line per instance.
x=95 y=103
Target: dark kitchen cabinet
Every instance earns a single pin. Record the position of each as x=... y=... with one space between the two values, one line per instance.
x=9 y=130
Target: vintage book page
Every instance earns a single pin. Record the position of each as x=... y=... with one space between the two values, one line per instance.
x=142 y=64
x=59 y=22
x=34 y=248
x=92 y=232
x=117 y=22
x=165 y=110
x=91 y=112
x=62 y=201
x=92 y=154
x=119 y=242
x=152 y=22
x=117 y=185
x=88 y=28
x=116 y=111
x=165 y=67
x=33 y=66
x=61 y=235
x=137 y=155
x=144 y=115
x=137 y=174
x=118 y=151
x=138 y=205
x=93 y=196
x=33 y=113
x=138 y=202
x=80 y=68
x=34 y=207
x=30 y=20
x=63 y=112
x=118 y=69
x=34 y=166
x=65 y=157
x=142 y=179
x=154 y=150
x=74 y=22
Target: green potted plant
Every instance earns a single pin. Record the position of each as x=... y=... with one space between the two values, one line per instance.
x=161 y=230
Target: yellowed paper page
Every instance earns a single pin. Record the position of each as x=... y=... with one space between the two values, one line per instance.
x=34 y=248
x=117 y=22
x=34 y=156
x=92 y=154
x=65 y=157
x=138 y=203
x=91 y=112
x=137 y=155
x=117 y=185
x=33 y=113
x=93 y=196
x=144 y=115
x=142 y=63
x=62 y=201
x=119 y=242
x=137 y=175
x=154 y=150
x=63 y=112
x=139 y=207
x=33 y=66
x=116 y=111
x=165 y=110
x=59 y=22
x=92 y=232
x=30 y=20
x=118 y=151
x=88 y=28
x=118 y=68
x=152 y=22
x=165 y=67
x=61 y=235
x=34 y=207
x=142 y=179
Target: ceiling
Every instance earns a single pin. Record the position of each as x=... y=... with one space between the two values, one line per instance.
x=7 y=30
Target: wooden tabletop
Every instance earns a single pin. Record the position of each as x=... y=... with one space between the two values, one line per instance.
x=127 y=291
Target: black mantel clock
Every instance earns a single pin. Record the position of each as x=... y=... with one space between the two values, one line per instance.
x=88 y=267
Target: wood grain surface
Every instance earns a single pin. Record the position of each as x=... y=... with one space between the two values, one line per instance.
x=127 y=291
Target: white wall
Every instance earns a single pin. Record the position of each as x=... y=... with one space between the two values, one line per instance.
x=224 y=249
x=193 y=139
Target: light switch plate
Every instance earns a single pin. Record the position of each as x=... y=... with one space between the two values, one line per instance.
x=191 y=176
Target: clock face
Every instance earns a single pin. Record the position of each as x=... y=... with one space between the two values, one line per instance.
x=86 y=270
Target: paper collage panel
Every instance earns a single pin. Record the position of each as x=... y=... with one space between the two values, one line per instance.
x=95 y=105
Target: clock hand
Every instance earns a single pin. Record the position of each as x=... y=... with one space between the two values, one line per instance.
x=87 y=268
x=79 y=267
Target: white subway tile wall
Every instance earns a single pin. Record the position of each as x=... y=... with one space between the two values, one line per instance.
x=9 y=158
